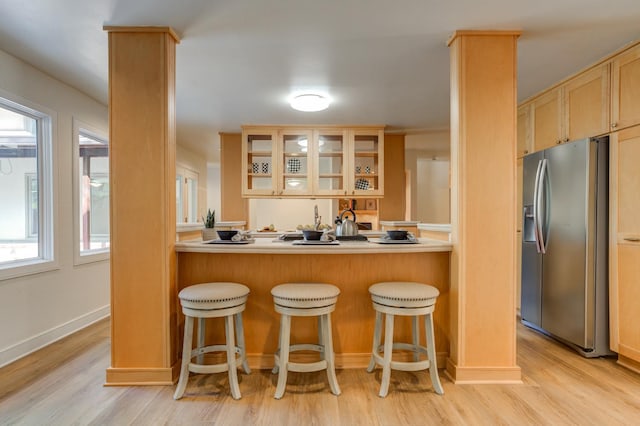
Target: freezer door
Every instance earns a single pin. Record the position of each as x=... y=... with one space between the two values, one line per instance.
x=531 y=290
x=567 y=186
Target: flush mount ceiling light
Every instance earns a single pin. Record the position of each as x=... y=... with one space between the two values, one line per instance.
x=309 y=102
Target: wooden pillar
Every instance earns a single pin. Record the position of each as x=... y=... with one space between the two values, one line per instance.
x=233 y=206
x=392 y=206
x=142 y=202
x=483 y=173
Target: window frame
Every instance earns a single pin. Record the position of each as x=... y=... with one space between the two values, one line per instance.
x=87 y=256
x=46 y=124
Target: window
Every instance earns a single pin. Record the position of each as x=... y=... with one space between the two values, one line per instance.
x=26 y=190
x=91 y=199
x=186 y=195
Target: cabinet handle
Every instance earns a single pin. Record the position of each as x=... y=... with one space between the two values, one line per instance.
x=345 y=192
x=566 y=140
x=614 y=125
x=632 y=239
x=273 y=192
x=559 y=142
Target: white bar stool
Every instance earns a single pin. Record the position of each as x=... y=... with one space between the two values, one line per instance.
x=407 y=299
x=305 y=300
x=213 y=300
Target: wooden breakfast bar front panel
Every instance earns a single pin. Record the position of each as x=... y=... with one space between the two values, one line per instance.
x=353 y=319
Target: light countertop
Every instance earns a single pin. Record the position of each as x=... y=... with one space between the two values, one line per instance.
x=441 y=227
x=270 y=246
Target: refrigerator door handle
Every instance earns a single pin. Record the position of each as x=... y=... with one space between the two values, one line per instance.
x=542 y=228
x=536 y=203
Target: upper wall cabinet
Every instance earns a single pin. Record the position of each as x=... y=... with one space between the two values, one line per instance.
x=625 y=108
x=586 y=104
x=525 y=130
x=327 y=162
x=577 y=109
x=547 y=121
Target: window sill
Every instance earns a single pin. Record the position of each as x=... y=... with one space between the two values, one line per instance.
x=27 y=267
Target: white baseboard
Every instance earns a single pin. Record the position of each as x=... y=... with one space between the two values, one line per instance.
x=32 y=344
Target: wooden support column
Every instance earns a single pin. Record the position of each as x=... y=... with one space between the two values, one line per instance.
x=392 y=206
x=142 y=199
x=233 y=207
x=483 y=173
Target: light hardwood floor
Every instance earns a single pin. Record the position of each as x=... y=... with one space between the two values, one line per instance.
x=63 y=385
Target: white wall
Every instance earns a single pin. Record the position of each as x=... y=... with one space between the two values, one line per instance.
x=213 y=188
x=427 y=160
x=286 y=214
x=38 y=309
x=196 y=163
x=432 y=175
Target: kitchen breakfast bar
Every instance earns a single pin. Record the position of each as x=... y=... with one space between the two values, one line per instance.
x=351 y=266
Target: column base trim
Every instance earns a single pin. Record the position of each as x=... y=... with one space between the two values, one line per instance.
x=142 y=376
x=482 y=375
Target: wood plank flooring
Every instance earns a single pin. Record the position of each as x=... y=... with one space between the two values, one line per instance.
x=63 y=385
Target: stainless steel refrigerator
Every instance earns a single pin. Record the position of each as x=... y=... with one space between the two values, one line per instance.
x=564 y=244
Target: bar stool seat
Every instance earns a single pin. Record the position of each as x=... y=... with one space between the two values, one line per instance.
x=304 y=300
x=213 y=300
x=406 y=299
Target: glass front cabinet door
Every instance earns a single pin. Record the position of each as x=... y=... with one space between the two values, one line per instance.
x=326 y=162
x=294 y=162
x=366 y=177
x=259 y=160
x=330 y=162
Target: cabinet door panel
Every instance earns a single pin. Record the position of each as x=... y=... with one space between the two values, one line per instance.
x=629 y=297
x=294 y=162
x=586 y=101
x=625 y=108
x=330 y=162
x=546 y=127
x=625 y=243
x=524 y=130
x=629 y=183
x=259 y=166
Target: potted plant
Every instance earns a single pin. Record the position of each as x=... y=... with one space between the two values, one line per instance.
x=209 y=233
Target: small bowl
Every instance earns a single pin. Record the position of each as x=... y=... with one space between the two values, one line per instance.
x=227 y=234
x=312 y=235
x=397 y=234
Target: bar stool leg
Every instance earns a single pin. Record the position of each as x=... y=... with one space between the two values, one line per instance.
x=186 y=357
x=431 y=353
x=388 y=349
x=377 y=331
x=231 y=357
x=415 y=330
x=201 y=338
x=328 y=353
x=241 y=344
x=285 y=330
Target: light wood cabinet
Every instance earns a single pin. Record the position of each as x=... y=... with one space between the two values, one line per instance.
x=586 y=104
x=327 y=162
x=625 y=107
x=547 y=122
x=366 y=161
x=577 y=109
x=625 y=245
x=525 y=130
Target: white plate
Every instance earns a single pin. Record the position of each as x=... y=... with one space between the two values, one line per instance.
x=315 y=243
x=383 y=241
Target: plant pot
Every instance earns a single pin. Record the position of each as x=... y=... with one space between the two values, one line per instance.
x=209 y=234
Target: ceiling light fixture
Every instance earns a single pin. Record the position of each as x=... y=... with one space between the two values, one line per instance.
x=309 y=102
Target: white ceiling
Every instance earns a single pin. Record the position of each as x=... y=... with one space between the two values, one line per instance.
x=382 y=62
